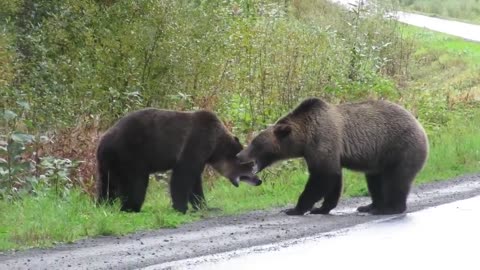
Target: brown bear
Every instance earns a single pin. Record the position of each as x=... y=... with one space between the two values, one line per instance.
x=153 y=140
x=378 y=138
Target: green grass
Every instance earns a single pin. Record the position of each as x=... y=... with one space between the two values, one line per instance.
x=454 y=149
x=44 y=220
x=434 y=41
x=443 y=77
x=466 y=10
x=443 y=62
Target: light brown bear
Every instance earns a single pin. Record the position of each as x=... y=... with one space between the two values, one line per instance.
x=379 y=138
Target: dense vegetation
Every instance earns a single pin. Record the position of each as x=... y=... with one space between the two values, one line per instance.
x=69 y=69
x=468 y=10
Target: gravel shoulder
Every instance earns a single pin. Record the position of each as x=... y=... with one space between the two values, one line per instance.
x=222 y=234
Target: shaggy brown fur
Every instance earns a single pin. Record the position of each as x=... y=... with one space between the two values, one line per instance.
x=379 y=138
x=151 y=140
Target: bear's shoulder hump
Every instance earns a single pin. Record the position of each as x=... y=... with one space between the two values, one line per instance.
x=308 y=105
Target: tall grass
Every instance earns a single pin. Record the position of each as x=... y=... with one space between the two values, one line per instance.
x=455 y=148
x=444 y=73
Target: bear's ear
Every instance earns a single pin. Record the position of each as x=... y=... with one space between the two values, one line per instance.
x=282 y=130
x=236 y=139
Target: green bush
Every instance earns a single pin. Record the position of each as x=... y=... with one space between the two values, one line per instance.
x=93 y=58
x=22 y=171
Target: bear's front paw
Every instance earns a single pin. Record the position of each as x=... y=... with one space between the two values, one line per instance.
x=365 y=208
x=181 y=209
x=294 y=212
x=321 y=210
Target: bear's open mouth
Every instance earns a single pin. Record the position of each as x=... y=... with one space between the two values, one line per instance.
x=247 y=161
x=255 y=167
x=251 y=180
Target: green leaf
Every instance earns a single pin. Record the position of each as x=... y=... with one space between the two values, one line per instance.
x=24 y=105
x=29 y=123
x=25 y=165
x=9 y=115
x=22 y=138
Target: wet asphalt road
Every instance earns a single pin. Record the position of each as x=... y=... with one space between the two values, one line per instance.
x=440 y=237
x=221 y=234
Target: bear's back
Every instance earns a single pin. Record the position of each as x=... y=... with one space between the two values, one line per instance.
x=378 y=132
x=148 y=136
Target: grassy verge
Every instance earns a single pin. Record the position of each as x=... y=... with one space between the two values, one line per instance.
x=450 y=60
x=465 y=10
x=443 y=84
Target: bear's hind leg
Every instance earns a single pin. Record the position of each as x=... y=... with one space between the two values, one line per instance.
x=133 y=191
x=395 y=189
x=374 y=183
x=107 y=192
x=197 y=198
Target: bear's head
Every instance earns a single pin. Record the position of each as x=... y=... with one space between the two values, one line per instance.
x=277 y=142
x=225 y=162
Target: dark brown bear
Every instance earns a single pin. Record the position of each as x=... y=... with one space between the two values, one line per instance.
x=379 y=138
x=151 y=140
